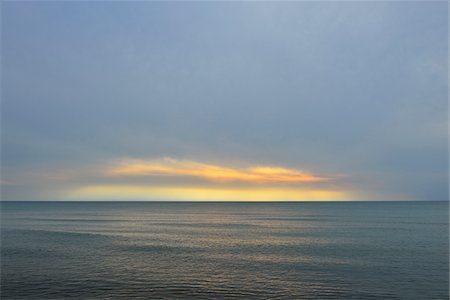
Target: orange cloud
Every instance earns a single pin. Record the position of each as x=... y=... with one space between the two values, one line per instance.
x=215 y=173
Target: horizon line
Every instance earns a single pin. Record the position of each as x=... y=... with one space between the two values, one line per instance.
x=220 y=201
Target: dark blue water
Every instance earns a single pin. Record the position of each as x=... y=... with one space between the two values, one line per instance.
x=395 y=250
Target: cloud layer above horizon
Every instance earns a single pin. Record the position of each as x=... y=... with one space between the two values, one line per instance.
x=245 y=100
x=168 y=167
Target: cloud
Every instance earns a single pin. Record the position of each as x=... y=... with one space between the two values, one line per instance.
x=344 y=87
x=174 y=179
x=168 y=167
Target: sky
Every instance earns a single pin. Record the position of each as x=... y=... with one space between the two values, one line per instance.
x=224 y=101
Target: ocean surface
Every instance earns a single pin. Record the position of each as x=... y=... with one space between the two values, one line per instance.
x=138 y=250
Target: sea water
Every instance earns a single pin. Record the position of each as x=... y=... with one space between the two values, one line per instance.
x=157 y=250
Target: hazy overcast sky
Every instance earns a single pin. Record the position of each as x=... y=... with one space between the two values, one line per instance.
x=346 y=100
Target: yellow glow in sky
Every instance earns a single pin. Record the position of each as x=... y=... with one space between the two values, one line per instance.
x=132 y=192
x=215 y=173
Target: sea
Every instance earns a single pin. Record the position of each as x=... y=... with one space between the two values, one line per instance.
x=191 y=250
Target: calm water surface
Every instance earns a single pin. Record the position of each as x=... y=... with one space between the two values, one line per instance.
x=224 y=250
